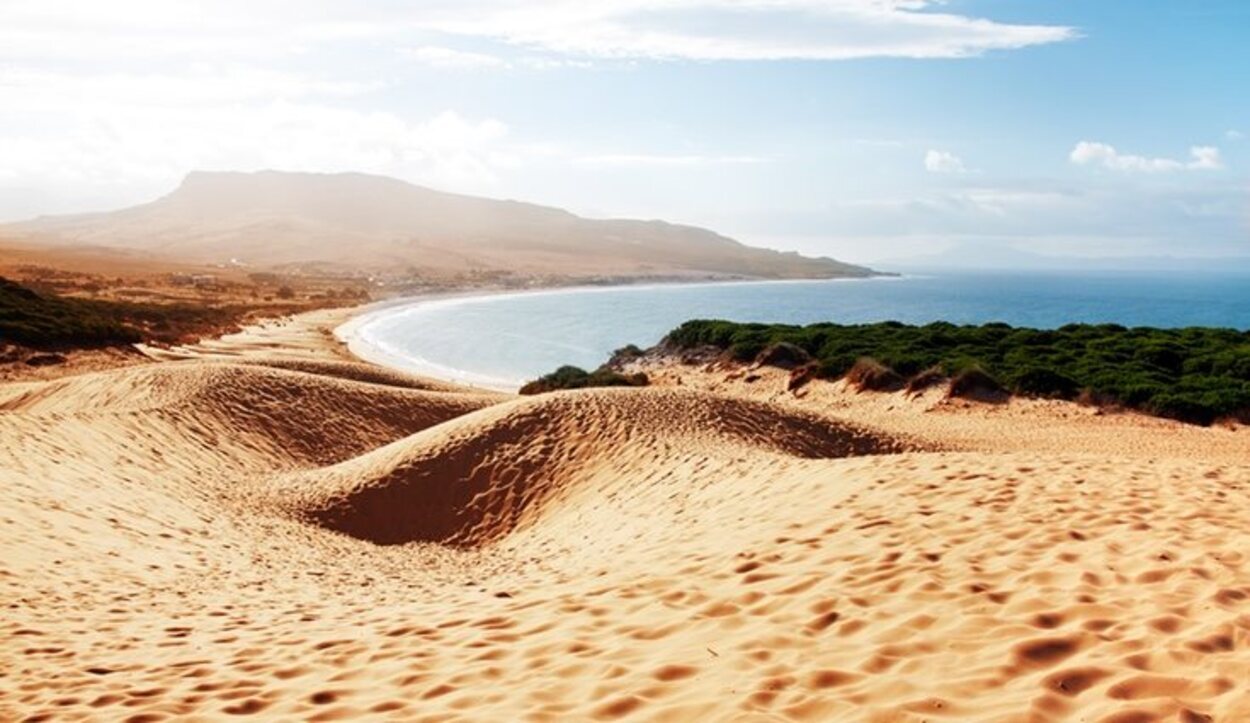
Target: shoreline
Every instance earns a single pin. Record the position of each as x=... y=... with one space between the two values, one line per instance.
x=351 y=332
x=349 y=335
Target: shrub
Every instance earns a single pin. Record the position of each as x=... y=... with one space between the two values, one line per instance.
x=978 y=384
x=571 y=377
x=930 y=377
x=783 y=355
x=1044 y=382
x=629 y=351
x=46 y=321
x=1184 y=407
x=800 y=376
x=870 y=374
x=1195 y=373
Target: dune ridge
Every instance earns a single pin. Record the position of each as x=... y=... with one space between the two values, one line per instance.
x=316 y=540
x=475 y=481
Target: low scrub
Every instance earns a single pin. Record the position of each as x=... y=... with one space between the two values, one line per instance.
x=868 y=374
x=1195 y=374
x=976 y=383
x=47 y=321
x=571 y=377
x=783 y=355
x=925 y=379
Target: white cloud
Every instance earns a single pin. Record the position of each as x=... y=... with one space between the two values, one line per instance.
x=1205 y=158
x=736 y=29
x=121 y=155
x=1234 y=135
x=1089 y=152
x=642 y=29
x=448 y=58
x=130 y=94
x=943 y=162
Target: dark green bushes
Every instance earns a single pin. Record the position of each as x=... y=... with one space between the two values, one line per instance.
x=1194 y=374
x=1035 y=381
x=571 y=377
x=976 y=383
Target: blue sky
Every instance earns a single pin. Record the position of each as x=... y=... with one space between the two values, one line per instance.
x=865 y=129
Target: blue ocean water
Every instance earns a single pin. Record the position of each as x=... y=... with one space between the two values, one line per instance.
x=504 y=340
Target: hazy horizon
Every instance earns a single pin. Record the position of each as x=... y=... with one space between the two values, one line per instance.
x=865 y=130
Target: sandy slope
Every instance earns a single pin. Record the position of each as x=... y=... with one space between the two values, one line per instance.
x=207 y=539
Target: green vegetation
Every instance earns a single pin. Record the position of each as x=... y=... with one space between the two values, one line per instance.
x=871 y=374
x=571 y=377
x=55 y=322
x=1194 y=374
x=45 y=321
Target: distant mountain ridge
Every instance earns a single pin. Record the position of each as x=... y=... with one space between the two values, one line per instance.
x=374 y=223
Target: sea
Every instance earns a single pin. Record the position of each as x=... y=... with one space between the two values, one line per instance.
x=503 y=340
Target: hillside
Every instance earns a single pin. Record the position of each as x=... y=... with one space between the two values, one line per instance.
x=369 y=223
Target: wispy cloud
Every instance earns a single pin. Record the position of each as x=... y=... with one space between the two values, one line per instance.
x=632 y=29
x=737 y=29
x=943 y=162
x=1201 y=158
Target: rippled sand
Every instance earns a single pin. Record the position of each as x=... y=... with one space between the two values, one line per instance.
x=208 y=539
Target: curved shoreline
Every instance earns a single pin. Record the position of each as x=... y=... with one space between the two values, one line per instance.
x=352 y=333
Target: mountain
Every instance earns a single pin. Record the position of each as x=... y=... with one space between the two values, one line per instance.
x=353 y=221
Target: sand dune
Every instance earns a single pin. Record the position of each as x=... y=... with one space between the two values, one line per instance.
x=515 y=461
x=317 y=540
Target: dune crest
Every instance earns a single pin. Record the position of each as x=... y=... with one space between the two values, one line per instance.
x=475 y=480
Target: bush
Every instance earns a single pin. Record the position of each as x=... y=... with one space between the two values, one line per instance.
x=926 y=379
x=871 y=375
x=571 y=377
x=800 y=376
x=976 y=383
x=783 y=355
x=45 y=321
x=624 y=355
x=1043 y=382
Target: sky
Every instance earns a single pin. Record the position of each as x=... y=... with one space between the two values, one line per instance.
x=861 y=129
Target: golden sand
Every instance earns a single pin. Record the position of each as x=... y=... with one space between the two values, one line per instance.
x=256 y=532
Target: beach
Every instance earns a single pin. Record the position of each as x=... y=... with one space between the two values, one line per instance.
x=264 y=526
x=506 y=338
